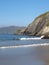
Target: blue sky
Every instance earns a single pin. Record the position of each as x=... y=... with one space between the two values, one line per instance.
x=21 y=12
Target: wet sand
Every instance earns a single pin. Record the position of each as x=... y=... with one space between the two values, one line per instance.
x=31 y=55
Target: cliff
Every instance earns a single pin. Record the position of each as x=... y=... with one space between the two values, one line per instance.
x=40 y=26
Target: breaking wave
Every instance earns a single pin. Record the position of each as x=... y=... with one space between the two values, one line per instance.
x=29 y=38
x=36 y=38
x=20 y=46
x=21 y=38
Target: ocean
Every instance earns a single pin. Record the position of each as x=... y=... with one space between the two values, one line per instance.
x=14 y=51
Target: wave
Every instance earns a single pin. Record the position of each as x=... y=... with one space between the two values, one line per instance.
x=36 y=38
x=23 y=38
x=32 y=45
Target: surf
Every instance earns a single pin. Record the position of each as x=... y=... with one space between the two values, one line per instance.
x=36 y=38
x=24 y=46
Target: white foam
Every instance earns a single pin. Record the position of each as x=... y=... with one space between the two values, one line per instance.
x=29 y=38
x=32 y=45
x=37 y=38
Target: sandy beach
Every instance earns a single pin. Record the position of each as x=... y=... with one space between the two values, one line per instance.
x=25 y=55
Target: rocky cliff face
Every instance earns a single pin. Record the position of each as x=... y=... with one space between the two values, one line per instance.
x=40 y=26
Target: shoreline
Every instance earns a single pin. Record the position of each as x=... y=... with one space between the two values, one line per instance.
x=35 y=54
x=19 y=46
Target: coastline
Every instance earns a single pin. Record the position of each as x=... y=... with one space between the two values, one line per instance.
x=21 y=46
x=35 y=54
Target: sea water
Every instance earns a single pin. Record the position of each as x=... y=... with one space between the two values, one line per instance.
x=23 y=52
x=12 y=40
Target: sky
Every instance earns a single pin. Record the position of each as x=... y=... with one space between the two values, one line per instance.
x=21 y=12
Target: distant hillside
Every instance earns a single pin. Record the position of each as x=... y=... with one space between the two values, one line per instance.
x=10 y=29
x=40 y=26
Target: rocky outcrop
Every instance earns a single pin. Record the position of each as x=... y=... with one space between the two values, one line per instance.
x=40 y=26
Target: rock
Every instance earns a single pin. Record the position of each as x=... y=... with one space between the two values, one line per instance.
x=40 y=26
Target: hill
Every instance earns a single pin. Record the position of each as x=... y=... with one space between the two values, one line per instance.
x=40 y=26
x=10 y=29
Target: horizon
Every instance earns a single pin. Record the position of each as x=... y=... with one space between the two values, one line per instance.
x=21 y=13
x=11 y=26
